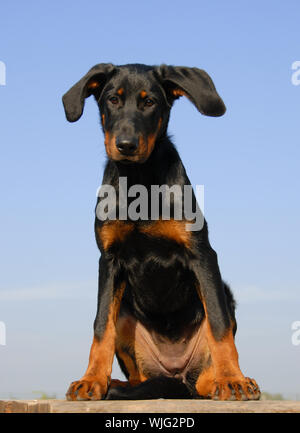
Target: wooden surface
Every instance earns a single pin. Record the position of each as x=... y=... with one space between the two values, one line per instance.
x=147 y=406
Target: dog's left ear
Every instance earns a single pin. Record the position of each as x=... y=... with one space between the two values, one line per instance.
x=91 y=83
x=194 y=83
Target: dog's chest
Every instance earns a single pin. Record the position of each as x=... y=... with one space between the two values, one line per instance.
x=154 y=258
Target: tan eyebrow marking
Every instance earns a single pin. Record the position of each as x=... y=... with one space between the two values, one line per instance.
x=120 y=91
x=143 y=94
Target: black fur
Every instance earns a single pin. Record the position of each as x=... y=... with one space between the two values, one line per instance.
x=158 y=387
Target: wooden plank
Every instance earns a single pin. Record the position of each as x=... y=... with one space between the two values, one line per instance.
x=148 y=406
x=25 y=406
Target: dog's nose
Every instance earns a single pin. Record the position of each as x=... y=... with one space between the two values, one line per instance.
x=126 y=146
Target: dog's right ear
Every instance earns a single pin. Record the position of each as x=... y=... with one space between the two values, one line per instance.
x=194 y=83
x=92 y=83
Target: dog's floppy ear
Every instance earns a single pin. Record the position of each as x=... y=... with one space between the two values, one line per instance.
x=92 y=83
x=194 y=83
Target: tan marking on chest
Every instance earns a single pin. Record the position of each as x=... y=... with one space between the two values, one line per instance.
x=114 y=231
x=170 y=229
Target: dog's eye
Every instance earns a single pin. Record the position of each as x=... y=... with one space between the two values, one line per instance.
x=114 y=100
x=148 y=102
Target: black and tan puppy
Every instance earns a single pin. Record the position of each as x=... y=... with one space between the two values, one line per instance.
x=163 y=308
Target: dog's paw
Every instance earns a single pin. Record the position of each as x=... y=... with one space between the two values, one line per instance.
x=88 y=388
x=235 y=389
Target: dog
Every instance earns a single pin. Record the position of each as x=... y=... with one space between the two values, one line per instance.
x=163 y=308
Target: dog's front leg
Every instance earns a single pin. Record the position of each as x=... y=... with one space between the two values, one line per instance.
x=223 y=380
x=94 y=384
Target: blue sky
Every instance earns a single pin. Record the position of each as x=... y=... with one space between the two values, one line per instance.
x=50 y=170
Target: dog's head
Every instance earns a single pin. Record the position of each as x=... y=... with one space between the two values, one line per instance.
x=135 y=102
